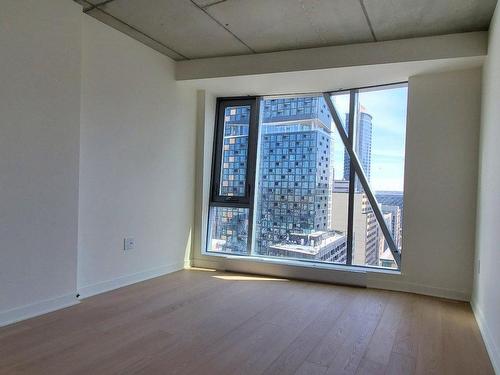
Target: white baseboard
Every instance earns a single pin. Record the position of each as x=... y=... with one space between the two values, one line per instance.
x=106 y=286
x=493 y=350
x=37 y=308
x=403 y=286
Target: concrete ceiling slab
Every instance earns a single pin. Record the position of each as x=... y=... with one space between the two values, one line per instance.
x=178 y=24
x=397 y=19
x=291 y=24
x=133 y=33
x=86 y=5
x=190 y=29
x=205 y=3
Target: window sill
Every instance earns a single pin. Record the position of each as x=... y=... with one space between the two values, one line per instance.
x=305 y=264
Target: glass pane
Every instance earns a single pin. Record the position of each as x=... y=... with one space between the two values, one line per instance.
x=234 y=151
x=228 y=230
x=341 y=102
x=295 y=178
x=369 y=245
x=392 y=202
x=380 y=147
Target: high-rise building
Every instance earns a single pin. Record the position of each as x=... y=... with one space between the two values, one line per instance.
x=362 y=145
x=234 y=153
x=394 y=225
x=391 y=198
x=229 y=230
x=295 y=177
x=366 y=231
x=295 y=181
x=230 y=225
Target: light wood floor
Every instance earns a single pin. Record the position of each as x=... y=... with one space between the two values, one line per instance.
x=200 y=322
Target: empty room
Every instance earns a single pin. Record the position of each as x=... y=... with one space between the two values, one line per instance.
x=303 y=187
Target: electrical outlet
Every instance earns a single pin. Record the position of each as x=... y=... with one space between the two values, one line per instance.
x=128 y=244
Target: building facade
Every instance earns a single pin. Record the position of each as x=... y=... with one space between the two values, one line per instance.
x=235 y=149
x=366 y=231
x=229 y=226
x=362 y=145
x=295 y=175
x=394 y=223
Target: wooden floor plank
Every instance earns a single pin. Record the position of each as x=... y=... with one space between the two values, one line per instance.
x=382 y=342
x=308 y=368
x=369 y=367
x=194 y=322
x=297 y=352
x=430 y=342
x=400 y=364
x=325 y=351
x=461 y=353
x=350 y=354
x=406 y=340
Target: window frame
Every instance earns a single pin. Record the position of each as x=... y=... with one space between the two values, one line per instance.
x=216 y=199
x=247 y=201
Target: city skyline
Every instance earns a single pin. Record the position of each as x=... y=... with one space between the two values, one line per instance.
x=388 y=110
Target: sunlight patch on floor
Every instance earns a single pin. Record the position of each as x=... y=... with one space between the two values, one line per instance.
x=246 y=278
x=201 y=269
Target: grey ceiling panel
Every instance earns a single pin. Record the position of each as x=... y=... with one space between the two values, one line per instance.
x=205 y=3
x=86 y=5
x=99 y=2
x=134 y=33
x=396 y=19
x=178 y=24
x=273 y=25
x=208 y=28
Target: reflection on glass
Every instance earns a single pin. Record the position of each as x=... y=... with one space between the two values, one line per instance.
x=234 y=151
x=228 y=230
x=294 y=182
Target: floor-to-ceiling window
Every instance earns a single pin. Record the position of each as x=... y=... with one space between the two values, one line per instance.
x=317 y=177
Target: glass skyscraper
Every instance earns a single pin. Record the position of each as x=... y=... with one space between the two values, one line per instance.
x=363 y=144
x=230 y=226
x=295 y=177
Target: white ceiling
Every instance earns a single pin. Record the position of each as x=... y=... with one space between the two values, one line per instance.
x=190 y=29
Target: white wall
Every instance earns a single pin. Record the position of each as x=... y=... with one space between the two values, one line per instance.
x=136 y=162
x=486 y=297
x=440 y=185
x=39 y=131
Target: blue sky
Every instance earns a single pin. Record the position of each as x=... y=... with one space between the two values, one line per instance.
x=388 y=109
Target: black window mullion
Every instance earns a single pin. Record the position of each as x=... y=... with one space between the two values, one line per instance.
x=253 y=136
x=353 y=99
